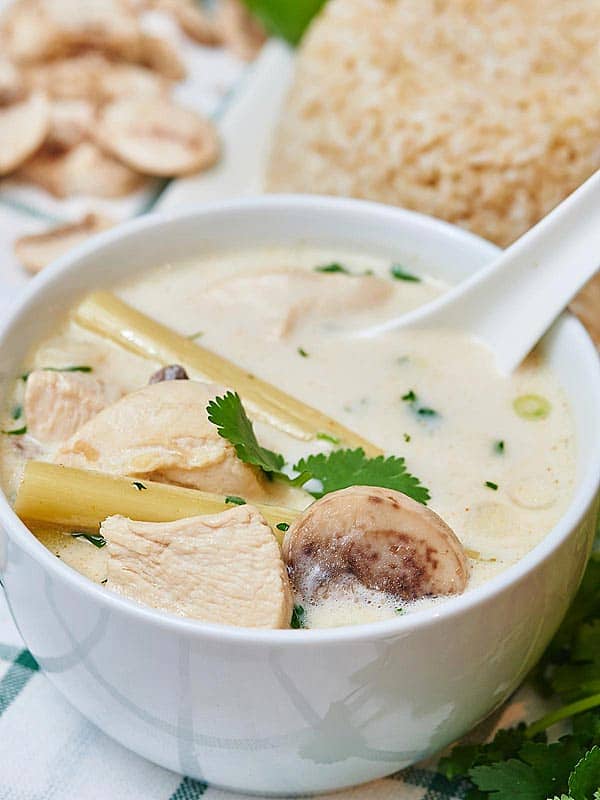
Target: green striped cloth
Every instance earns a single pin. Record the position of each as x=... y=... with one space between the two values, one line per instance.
x=48 y=750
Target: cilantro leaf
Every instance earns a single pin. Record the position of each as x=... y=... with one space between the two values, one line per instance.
x=540 y=771
x=289 y=19
x=585 y=778
x=228 y=414
x=398 y=272
x=343 y=468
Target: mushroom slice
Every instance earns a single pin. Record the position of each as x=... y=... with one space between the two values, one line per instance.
x=23 y=127
x=72 y=78
x=173 y=372
x=224 y=568
x=162 y=433
x=157 y=137
x=159 y=55
x=70 y=123
x=11 y=83
x=120 y=80
x=83 y=170
x=38 y=250
x=27 y=32
x=376 y=537
x=58 y=403
x=239 y=30
x=192 y=21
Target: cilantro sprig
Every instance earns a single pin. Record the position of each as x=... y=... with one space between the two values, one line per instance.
x=520 y=764
x=233 y=424
x=343 y=468
x=336 y=470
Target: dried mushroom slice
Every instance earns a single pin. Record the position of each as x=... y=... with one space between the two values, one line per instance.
x=38 y=250
x=120 y=80
x=159 y=55
x=84 y=170
x=72 y=78
x=157 y=138
x=27 y=33
x=23 y=127
x=238 y=29
x=11 y=83
x=376 y=537
x=70 y=123
x=192 y=20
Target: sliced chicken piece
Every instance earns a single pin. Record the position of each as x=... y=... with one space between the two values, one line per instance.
x=82 y=170
x=23 y=127
x=272 y=304
x=37 y=250
x=376 y=537
x=225 y=568
x=57 y=404
x=162 y=433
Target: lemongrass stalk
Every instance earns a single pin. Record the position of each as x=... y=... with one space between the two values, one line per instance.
x=82 y=499
x=107 y=315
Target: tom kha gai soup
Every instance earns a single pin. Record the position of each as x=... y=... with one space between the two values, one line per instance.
x=212 y=440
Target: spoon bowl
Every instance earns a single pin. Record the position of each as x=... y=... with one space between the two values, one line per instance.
x=511 y=303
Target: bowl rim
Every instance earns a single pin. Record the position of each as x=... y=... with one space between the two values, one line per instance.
x=583 y=498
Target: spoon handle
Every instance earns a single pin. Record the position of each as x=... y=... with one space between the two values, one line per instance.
x=511 y=303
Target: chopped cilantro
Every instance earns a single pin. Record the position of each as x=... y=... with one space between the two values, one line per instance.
x=400 y=274
x=282 y=526
x=93 y=538
x=196 y=335
x=335 y=267
x=343 y=468
x=399 y=611
x=422 y=411
x=17 y=412
x=327 y=437
x=406 y=437
x=228 y=414
x=499 y=447
x=77 y=368
x=491 y=485
x=139 y=486
x=302 y=352
x=298 y=615
x=233 y=499
x=16 y=431
x=532 y=406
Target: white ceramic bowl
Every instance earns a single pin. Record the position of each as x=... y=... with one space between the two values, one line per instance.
x=292 y=711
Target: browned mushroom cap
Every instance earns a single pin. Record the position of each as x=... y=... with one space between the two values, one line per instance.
x=174 y=372
x=378 y=537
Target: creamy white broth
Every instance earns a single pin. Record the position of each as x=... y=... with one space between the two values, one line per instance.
x=361 y=383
